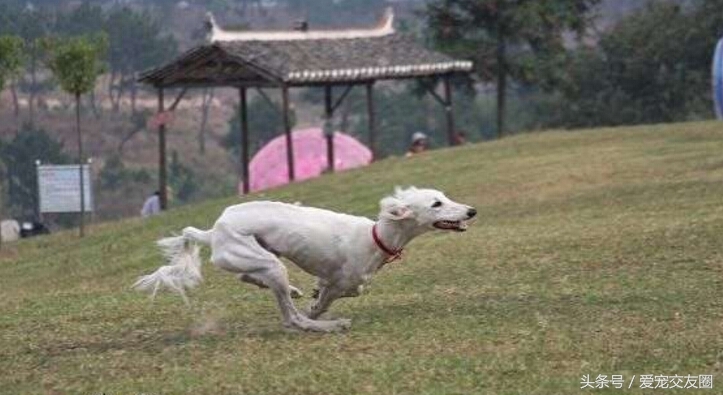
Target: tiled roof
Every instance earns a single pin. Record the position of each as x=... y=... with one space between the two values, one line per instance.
x=304 y=62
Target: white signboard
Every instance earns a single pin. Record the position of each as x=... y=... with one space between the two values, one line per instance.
x=59 y=186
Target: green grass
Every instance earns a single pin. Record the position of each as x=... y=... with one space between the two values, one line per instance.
x=595 y=252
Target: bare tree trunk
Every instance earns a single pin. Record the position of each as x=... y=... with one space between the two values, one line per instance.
x=207 y=98
x=33 y=83
x=128 y=137
x=501 y=84
x=116 y=99
x=93 y=103
x=134 y=94
x=80 y=165
x=16 y=106
x=111 y=82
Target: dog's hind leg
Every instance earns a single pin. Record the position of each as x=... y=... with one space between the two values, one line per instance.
x=241 y=254
x=252 y=279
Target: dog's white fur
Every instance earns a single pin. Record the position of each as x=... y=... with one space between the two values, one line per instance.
x=248 y=239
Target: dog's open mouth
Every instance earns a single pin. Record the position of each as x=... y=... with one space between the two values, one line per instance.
x=458 y=226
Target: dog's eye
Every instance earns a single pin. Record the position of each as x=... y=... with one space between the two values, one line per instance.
x=436 y=204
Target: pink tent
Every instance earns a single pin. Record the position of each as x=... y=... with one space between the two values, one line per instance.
x=268 y=167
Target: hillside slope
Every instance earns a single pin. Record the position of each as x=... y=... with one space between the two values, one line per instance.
x=595 y=252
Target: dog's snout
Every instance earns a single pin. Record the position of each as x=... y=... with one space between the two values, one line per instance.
x=471 y=212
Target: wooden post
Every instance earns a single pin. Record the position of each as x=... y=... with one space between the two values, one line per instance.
x=80 y=165
x=162 y=155
x=371 y=120
x=287 y=130
x=328 y=130
x=448 y=111
x=244 y=128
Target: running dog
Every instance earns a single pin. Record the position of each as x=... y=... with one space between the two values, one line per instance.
x=342 y=251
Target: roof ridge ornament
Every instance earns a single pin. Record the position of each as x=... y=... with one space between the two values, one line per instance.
x=215 y=33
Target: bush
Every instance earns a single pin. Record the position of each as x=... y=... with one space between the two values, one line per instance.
x=18 y=157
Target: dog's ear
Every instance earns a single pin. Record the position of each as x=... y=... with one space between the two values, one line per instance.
x=395 y=209
x=400 y=191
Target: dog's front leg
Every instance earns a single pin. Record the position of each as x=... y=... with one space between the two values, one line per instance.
x=353 y=293
x=327 y=295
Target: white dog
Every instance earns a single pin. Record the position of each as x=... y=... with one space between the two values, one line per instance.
x=342 y=251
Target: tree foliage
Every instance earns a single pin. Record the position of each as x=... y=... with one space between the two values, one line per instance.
x=182 y=179
x=137 y=41
x=519 y=39
x=11 y=57
x=86 y=19
x=652 y=66
x=19 y=156
x=77 y=62
x=115 y=174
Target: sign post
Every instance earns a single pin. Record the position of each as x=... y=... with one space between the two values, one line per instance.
x=59 y=189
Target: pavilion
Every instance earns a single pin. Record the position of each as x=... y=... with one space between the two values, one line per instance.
x=301 y=58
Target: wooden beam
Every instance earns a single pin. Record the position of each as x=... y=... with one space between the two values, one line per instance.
x=371 y=119
x=162 y=155
x=178 y=99
x=287 y=130
x=244 y=140
x=328 y=128
x=430 y=90
x=269 y=101
x=448 y=110
x=341 y=98
x=190 y=84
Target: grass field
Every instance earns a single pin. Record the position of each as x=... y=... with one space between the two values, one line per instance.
x=595 y=252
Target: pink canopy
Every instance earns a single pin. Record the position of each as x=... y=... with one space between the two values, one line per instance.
x=268 y=167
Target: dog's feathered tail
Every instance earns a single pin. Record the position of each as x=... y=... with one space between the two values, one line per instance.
x=183 y=270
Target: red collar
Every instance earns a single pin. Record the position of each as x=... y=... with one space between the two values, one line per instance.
x=393 y=254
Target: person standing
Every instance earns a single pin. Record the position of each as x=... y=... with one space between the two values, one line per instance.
x=152 y=205
x=420 y=143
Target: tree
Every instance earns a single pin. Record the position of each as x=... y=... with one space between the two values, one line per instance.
x=86 y=19
x=652 y=66
x=76 y=63
x=33 y=25
x=19 y=156
x=10 y=62
x=11 y=58
x=182 y=179
x=115 y=174
x=518 y=39
x=136 y=43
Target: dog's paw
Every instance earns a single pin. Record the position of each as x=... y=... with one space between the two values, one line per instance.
x=295 y=292
x=343 y=324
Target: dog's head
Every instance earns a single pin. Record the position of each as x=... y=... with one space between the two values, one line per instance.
x=426 y=208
